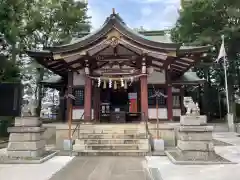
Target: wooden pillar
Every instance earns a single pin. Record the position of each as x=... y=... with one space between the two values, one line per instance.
x=169 y=97
x=144 y=96
x=69 y=91
x=96 y=104
x=88 y=99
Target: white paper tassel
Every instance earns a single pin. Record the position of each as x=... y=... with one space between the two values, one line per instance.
x=104 y=84
x=122 y=83
x=150 y=70
x=144 y=68
x=115 y=84
x=87 y=70
x=99 y=82
x=110 y=83
x=131 y=79
x=125 y=85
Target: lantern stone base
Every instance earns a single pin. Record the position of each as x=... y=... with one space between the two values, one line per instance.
x=194 y=145
x=25 y=140
x=193 y=120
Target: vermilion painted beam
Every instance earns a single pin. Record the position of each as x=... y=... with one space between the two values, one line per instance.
x=144 y=96
x=87 y=99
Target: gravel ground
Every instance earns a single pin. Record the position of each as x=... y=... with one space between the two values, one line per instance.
x=212 y=157
x=220 y=143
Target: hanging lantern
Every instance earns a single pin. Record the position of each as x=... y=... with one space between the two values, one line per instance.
x=104 y=84
x=115 y=84
x=150 y=70
x=125 y=85
x=131 y=79
x=110 y=83
x=87 y=71
x=122 y=83
x=143 y=66
x=99 y=82
x=144 y=69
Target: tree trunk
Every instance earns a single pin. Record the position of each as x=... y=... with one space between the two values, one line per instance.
x=14 y=53
x=40 y=91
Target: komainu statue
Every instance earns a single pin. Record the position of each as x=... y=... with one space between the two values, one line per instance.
x=29 y=109
x=192 y=108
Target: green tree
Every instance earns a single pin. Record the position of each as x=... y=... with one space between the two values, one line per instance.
x=202 y=22
x=13 y=23
x=9 y=72
x=54 y=22
x=33 y=24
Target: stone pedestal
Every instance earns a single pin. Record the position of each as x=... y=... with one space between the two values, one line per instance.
x=195 y=137
x=26 y=138
x=195 y=141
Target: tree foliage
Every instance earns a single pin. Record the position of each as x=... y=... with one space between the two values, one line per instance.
x=202 y=22
x=9 y=72
x=33 y=24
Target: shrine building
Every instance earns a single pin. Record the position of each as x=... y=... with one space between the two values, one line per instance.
x=117 y=75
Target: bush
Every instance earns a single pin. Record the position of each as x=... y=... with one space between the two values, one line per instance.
x=238 y=110
x=5 y=122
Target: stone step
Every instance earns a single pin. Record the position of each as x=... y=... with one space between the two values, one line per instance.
x=111 y=126
x=109 y=141
x=111 y=136
x=111 y=131
x=110 y=147
x=112 y=153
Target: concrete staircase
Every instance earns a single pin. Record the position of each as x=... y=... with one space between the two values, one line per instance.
x=112 y=140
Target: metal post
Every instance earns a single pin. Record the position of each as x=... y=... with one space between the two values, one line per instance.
x=229 y=115
x=219 y=104
x=157 y=118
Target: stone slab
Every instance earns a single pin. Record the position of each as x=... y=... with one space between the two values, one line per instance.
x=195 y=136
x=143 y=147
x=21 y=137
x=25 y=129
x=24 y=154
x=193 y=120
x=27 y=121
x=103 y=168
x=79 y=142
x=78 y=147
x=195 y=128
x=26 y=146
x=195 y=145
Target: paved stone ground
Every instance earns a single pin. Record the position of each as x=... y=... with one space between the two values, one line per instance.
x=229 y=152
x=169 y=171
x=3 y=144
x=42 y=171
x=103 y=168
